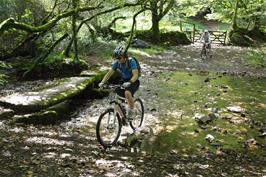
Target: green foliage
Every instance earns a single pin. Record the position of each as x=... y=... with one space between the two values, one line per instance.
x=100 y=47
x=256 y=57
x=27 y=14
x=170 y=37
x=53 y=58
x=4 y=65
x=3 y=77
x=22 y=10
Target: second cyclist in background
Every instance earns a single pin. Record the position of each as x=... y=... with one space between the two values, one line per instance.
x=206 y=40
x=129 y=73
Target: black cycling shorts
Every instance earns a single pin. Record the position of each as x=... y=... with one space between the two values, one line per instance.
x=132 y=88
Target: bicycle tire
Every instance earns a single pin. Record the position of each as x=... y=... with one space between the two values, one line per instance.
x=203 y=54
x=137 y=121
x=99 y=135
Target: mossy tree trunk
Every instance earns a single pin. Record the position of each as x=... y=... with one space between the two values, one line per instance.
x=11 y=23
x=67 y=50
x=234 y=19
x=132 y=29
x=159 y=9
x=155 y=27
x=75 y=4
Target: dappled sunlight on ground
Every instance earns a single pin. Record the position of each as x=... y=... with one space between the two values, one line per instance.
x=170 y=141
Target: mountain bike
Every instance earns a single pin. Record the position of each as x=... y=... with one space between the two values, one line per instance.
x=110 y=122
x=205 y=52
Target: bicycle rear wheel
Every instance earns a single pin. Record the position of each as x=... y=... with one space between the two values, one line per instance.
x=203 y=53
x=108 y=128
x=138 y=119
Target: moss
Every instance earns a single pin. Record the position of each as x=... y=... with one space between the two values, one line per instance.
x=190 y=94
x=244 y=37
x=45 y=117
x=65 y=67
x=171 y=38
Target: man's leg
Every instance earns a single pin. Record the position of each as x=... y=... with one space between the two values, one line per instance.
x=129 y=98
x=210 y=51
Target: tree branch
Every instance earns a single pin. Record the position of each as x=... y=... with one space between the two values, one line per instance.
x=11 y=23
x=132 y=29
x=166 y=10
x=97 y=14
x=41 y=58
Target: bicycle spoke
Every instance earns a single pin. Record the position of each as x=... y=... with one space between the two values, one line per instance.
x=108 y=128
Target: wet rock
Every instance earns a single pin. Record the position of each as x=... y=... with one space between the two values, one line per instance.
x=207 y=80
x=138 y=43
x=224 y=87
x=263 y=135
x=209 y=138
x=250 y=144
x=243 y=115
x=6 y=113
x=213 y=116
x=235 y=109
x=201 y=119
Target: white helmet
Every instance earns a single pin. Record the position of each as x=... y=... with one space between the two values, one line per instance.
x=119 y=51
x=206 y=31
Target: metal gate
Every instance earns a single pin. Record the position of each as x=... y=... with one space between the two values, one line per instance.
x=217 y=37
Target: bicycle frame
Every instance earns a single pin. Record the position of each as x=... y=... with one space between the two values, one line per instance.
x=117 y=104
x=110 y=122
x=205 y=51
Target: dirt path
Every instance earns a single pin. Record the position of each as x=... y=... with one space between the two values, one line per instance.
x=226 y=59
x=70 y=148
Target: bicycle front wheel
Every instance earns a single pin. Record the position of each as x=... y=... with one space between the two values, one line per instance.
x=108 y=128
x=139 y=110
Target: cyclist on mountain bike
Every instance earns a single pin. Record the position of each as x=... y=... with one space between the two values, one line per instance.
x=129 y=73
x=206 y=40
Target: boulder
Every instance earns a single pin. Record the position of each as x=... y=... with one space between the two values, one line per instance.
x=138 y=43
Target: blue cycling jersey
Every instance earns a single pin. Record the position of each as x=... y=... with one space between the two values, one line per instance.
x=125 y=69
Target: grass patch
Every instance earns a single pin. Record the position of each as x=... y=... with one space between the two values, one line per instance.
x=256 y=57
x=202 y=93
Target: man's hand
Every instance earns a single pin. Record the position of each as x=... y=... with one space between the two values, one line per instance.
x=101 y=84
x=126 y=84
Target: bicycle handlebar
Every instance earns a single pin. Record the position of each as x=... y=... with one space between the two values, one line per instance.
x=113 y=87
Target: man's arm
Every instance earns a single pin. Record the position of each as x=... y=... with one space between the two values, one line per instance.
x=135 y=73
x=107 y=76
x=201 y=37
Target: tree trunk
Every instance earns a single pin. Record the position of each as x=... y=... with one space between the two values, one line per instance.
x=155 y=28
x=74 y=30
x=132 y=29
x=68 y=49
x=234 y=22
x=11 y=23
